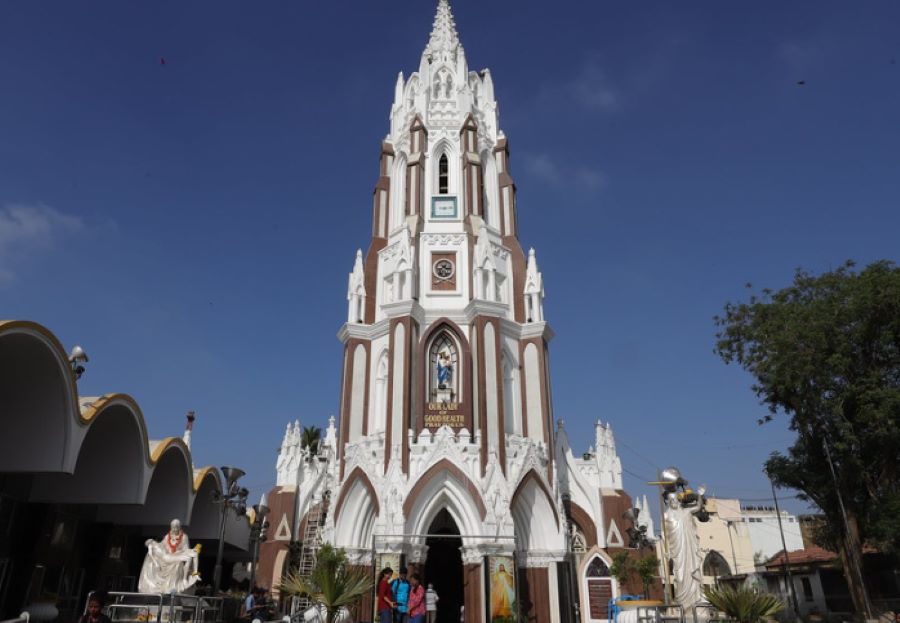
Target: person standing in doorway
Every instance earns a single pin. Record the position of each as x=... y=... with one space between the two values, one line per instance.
x=416 y=603
x=385 y=601
x=400 y=594
x=431 y=599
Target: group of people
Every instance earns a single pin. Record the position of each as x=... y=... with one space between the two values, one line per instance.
x=257 y=606
x=405 y=600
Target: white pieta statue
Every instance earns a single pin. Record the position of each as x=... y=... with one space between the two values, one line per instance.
x=170 y=564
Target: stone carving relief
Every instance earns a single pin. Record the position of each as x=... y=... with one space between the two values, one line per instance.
x=443 y=240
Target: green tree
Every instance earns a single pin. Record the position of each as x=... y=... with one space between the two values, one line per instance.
x=647 y=568
x=743 y=604
x=310 y=438
x=621 y=568
x=332 y=583
x=825 y=352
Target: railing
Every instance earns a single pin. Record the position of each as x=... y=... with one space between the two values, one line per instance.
x=712 y=614
x=164 y=608
x=316 y=613
x=36 y=612
x=660 y=614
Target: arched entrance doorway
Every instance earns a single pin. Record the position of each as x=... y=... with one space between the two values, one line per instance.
x=443 y=566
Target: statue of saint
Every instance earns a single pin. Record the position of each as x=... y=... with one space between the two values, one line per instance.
x=444 y=369
x=170 y=564
x=684 y=549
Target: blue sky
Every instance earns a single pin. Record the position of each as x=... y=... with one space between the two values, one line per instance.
x=192 y=224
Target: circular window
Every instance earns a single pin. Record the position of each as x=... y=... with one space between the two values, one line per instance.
x=443 y=269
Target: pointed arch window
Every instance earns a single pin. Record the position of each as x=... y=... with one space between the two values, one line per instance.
x=597 y=569
x=443 y=175
x=511 y=410
x=381 y=381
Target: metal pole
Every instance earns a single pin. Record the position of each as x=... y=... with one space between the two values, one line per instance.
x=852 y=550
x=254 y=550
x=422 y=535
x=217 y=574
x=665 y=536
x=730 y=540
x=787 y=568
x=295 y=524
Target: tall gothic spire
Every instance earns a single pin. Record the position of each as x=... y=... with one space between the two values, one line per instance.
x=444 y=37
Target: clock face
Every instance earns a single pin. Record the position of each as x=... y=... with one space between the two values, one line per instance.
x=443 y=207
x=443 y=269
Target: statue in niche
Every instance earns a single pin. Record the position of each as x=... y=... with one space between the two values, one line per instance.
x=444 y=369
x=170 y=564
x=443 y=384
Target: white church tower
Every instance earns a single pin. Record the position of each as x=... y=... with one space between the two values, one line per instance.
x=446 y=459
x=445 y=321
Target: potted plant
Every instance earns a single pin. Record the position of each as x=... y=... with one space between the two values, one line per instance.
x=332 y=582
x=743 y=604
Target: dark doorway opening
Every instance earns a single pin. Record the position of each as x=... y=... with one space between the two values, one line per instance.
x=444 y=568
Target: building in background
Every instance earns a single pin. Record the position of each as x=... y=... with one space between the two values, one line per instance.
x=725 y=542
x=82 y=486
x=765 y=534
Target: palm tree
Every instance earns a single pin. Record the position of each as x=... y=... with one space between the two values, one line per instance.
x=743 y=604
x=332 y=582
x=310 y=439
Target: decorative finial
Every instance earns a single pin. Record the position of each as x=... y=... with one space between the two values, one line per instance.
x=443 y=32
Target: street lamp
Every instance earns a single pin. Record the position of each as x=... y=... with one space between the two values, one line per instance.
x=637 y=534
x=258 y=534
x=76 y=358
x=233 y=497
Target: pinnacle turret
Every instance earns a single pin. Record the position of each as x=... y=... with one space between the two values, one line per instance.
x=444 y=37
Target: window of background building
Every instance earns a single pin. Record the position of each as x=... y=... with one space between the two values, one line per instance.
x=807 y=589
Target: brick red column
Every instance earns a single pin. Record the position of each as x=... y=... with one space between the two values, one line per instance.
x=473 y=581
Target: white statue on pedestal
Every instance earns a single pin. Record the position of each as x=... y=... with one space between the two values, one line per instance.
x=684 y=549
x=170 y=564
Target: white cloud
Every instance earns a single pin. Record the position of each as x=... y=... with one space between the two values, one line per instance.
x=590 y=178
x=592 y=88
x=543 y=167
x=25 y=229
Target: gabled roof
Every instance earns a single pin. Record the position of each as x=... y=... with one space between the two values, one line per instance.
x=808 y=556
